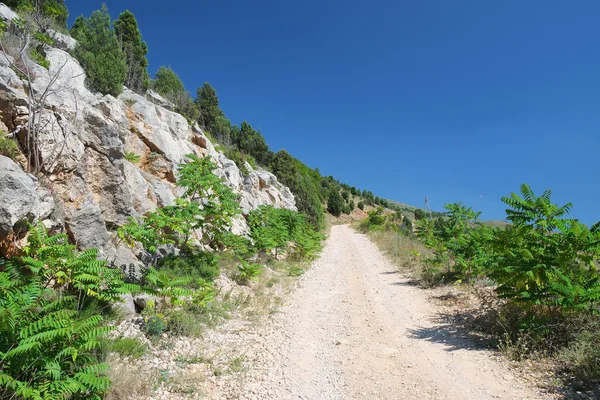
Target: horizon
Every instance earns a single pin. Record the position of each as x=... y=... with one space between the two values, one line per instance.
x=458 y=102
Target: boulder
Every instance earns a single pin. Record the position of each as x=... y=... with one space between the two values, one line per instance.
x=62 y=41
x=22 y=200
x=6 y=14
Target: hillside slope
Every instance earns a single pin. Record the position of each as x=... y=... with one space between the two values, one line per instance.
x=103 y=159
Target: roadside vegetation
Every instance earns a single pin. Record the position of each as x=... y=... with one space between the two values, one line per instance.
x=55 y=301
x=537 y=278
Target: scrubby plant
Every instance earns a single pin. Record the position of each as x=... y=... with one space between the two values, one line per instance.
x=247 y=272
x=132 y=348
x=206 y=204
x=167 y=82
x=199 y=264
x=375 y=220
x=154 y=325
x=268 y=229
x=170 y=291
x=132 y=157
x=361 y=205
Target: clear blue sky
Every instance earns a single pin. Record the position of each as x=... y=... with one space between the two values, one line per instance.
x=456 y=100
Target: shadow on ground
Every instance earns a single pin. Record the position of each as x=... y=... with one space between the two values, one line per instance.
x=452 y=334
x=457 y=330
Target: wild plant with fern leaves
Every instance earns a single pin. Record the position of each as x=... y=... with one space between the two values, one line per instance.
x=48 y=349
x=545 y=258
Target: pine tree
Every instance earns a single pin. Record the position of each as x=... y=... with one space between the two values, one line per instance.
x=99 y=52
x=167 y=83
x=335 y=203
x=135 y=49
x=208 y=102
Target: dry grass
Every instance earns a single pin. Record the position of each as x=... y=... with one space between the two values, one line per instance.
x=404 y=252
x=127 y=381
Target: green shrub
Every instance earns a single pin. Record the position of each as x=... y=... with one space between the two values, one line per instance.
x=295 y=271
x=154 y=325
x=8 y=146
x=39 y=58
x=183 y=323
x=167 y=82
x=196 y=265
x=99 y=52
x=361 y=205
x=175 y=224
x=375 y=221
x=247 y=272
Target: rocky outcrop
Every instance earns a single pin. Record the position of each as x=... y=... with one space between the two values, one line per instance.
x=104 y=159
x=22 y=199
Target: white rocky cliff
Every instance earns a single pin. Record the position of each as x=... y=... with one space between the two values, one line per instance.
x=87 y=187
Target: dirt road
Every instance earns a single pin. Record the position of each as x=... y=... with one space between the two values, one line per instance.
x=356 y=329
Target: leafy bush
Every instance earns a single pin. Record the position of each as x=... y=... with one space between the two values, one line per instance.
x=167 y=82
x=99 y=52
x=375 y=220
x=154 y=325
x=247 y=272
x=582 y=356
x=361 y=205
x=268 y=228
x=419 y=214
x=276 y=229
x=203 y=265
x=206 y=204
x=170 y=291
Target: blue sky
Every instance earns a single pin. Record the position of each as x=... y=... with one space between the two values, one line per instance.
x=457 y=100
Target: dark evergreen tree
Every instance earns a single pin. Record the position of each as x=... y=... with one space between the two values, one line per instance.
x=208 y=103
x=135 y=50
x=99 y=52
x=284 y=167
x=335 y=203
x=167 y=83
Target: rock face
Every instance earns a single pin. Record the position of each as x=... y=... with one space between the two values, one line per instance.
x=22 y=199
x=91 y=187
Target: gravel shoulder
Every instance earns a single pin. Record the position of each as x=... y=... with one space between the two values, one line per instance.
x=356 y=329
